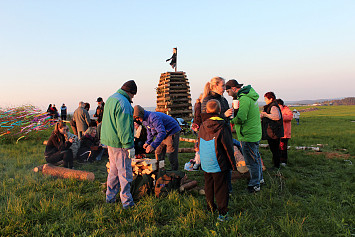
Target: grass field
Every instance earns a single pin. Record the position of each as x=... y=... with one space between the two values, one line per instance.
x=313 y=196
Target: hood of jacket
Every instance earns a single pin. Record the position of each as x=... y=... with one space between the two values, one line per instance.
x=122 y=92
x=211 y=126
x=248 y=91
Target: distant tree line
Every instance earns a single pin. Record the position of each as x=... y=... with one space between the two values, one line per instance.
x=345 y=101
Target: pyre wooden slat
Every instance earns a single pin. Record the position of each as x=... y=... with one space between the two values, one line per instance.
x=173 y=95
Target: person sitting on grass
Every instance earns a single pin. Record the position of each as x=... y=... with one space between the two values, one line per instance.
x=57 y=148
x=217 y=158
x=90 y=148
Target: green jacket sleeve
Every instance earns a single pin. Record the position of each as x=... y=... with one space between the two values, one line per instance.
x=242 y=115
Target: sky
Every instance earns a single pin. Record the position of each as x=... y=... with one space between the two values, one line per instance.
x=55 y=52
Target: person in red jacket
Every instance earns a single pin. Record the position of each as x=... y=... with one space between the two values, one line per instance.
x=287 y=116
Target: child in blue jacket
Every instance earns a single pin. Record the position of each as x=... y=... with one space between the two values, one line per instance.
x=217 y=158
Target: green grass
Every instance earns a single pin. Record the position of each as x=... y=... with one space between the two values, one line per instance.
x=313 y=196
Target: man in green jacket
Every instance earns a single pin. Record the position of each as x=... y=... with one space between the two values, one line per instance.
x=117 y=133
x=248 y=128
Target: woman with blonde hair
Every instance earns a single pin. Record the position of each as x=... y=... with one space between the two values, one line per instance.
x=214 y=89
x=57 y=148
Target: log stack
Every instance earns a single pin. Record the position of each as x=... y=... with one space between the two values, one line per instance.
x=145 y=166
x=142 y=166
x=173 y=95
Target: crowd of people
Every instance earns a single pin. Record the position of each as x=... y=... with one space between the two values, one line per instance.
x=128 y=132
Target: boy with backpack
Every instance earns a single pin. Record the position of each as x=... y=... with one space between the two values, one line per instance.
x=217 y=158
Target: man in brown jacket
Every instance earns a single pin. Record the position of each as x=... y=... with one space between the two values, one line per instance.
x=82 y=119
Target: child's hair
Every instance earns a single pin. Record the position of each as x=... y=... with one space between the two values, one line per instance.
x=210 y=85
x=59 y=125
x=87 y=106
x=213 y=107
x=280 y=102
x=270 y=95
x=89 y=131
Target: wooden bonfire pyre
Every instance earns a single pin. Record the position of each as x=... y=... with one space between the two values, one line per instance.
x=173 y=95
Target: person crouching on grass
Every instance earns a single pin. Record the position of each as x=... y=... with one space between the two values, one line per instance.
x=57 y=148
x=217 y=158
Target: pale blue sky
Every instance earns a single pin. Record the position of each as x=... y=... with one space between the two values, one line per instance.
x=67 y=51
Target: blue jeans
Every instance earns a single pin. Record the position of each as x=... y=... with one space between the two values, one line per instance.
x=120 y=175
x=237 y=144
x=253 y=162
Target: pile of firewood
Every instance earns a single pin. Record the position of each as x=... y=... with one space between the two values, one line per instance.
x=142 y=166
x=146 y=166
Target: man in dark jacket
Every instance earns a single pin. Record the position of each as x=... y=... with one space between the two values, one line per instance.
x=166 y=131
x=217 y=157
x=63 y=112
x=98 y=114
x=99 y=110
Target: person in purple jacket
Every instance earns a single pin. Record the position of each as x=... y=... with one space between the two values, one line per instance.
x=166 y=131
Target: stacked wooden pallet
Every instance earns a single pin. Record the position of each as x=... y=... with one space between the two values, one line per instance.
x=173 y=95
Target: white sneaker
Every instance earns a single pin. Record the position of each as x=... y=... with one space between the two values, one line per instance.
x=283 y=164
x=262 y=181
x=196 y=166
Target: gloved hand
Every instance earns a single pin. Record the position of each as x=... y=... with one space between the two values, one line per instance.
x=131 y=153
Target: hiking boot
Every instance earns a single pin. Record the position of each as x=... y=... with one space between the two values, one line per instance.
x=253 y=189
x=223 y=218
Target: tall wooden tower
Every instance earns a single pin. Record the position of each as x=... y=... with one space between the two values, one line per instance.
x=173 y=95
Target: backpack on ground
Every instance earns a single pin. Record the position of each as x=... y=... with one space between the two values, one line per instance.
x=168 y=181
x=141 y=186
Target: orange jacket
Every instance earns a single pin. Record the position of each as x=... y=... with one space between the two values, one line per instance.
x=287 y=117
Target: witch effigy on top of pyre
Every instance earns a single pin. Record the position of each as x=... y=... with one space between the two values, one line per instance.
x=173 y=95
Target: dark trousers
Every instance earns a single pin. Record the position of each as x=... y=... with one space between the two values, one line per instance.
x=274 y=145
x=169 y=146
x=283 y=150
x=216 y=187
x=64 y=117
x=66 y=156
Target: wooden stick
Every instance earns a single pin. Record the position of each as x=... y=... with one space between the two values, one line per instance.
x=296 y=147
x=40 y=168
x=183 y=139
x=186 y=150
x=66 y=173
x=188 y=186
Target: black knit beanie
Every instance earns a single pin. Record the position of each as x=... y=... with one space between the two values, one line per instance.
x=130 y=86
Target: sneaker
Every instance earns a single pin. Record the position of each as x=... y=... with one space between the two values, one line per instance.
x=253 y=189
x=283 y=164
x=223 y=218
x=262 y=181
x=196 y=166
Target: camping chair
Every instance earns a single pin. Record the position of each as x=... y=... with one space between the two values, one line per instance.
x=185 y=128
